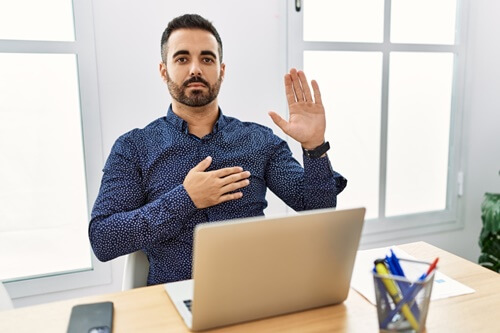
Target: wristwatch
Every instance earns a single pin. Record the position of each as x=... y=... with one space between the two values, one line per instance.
x=318 y=151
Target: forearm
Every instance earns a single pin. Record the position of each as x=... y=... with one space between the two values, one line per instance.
x=312 y=187
x=321 y=183
x=116 y=233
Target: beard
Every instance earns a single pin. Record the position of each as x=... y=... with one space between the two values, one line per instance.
x=197 y=97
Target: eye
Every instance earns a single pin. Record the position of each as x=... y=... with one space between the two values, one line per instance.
x=181 y=60
x=208 y=60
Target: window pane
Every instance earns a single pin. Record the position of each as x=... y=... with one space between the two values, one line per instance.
x=420 y=86
x=43 y=205
x=344 y=21
x=37 y=20
x=351 y=86
x=423 y=21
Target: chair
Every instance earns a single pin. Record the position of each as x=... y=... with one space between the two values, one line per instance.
x=136 y=271
x=5 y=301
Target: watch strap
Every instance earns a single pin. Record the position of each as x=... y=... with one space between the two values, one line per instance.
x=318 y=151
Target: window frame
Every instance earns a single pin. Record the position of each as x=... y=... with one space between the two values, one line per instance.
x=385 y=228
x=84 y=48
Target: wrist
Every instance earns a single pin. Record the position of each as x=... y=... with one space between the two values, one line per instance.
x=313 y=144
x=318 y=151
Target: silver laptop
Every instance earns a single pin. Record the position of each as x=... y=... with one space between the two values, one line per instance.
x=254 y=268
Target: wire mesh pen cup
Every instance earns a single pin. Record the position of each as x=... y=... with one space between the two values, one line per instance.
x=403 y=302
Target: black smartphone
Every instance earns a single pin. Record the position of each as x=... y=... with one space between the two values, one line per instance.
x=91 y=318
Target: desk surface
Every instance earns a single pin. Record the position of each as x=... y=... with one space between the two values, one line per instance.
x=149 y=309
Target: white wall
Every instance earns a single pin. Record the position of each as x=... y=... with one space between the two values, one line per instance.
x=481 y=123
x=254 y=36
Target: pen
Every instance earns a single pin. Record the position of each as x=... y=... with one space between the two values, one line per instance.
x=395 y=263
x=431 y=268
x=393 y=291
x=412 y=292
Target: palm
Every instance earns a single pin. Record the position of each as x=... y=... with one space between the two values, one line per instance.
x=306 y=122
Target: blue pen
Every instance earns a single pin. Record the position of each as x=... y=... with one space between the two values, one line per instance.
x=396 y=269
x=396 y=264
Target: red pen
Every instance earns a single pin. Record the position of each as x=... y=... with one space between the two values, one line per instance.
x=432 y=266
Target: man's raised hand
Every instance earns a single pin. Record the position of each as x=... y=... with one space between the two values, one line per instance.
x=307 y=122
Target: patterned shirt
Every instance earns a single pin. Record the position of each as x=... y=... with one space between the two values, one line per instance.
x=142 y=204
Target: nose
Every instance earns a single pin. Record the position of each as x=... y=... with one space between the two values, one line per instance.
x=195 y=69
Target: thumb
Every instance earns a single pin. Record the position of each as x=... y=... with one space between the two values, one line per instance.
x=278 y=120
x=203 y=165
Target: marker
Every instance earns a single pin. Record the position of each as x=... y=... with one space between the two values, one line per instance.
x=393 y=291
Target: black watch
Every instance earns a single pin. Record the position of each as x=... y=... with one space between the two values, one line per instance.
x=318 y=151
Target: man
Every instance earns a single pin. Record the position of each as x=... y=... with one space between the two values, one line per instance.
x=197 y=165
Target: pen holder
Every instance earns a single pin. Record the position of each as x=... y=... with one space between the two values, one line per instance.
x=403 y=302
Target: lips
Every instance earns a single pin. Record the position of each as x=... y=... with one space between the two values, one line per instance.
x=196 y=82
x=196 y=85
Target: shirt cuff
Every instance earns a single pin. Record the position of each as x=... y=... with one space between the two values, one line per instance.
x=179 y=203
x=318 y=168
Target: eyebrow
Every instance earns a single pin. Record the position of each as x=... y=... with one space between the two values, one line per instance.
x=210 y=53
x=180 y=52
x=185 y=52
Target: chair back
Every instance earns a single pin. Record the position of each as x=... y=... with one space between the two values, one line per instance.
x=5 y=300
x=136 y=271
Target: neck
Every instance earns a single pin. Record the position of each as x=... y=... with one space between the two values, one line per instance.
x=200 y=120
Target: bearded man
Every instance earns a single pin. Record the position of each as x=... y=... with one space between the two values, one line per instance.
x=197 y=165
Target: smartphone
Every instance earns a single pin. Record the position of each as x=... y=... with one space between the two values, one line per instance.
x=91 y=318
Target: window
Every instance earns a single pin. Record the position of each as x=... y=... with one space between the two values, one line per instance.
x=50 y=146
x=390 y=73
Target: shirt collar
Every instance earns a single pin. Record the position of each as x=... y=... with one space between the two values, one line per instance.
x=182 y=126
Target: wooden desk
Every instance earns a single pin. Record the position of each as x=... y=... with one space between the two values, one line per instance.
x=150 y=310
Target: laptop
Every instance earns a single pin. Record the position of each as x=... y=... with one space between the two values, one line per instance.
x=259 y=267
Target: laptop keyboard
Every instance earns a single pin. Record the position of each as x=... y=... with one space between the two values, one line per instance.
x=188 y=304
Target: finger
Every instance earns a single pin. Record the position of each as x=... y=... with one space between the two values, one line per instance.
x=305 y=86
x=230 y=196
x=297 y=89
x=234 y=178
x=290 y=95
x=234 y=186
x=203 y=165
x=224 y=172
x=279 y=121
x=317 y=93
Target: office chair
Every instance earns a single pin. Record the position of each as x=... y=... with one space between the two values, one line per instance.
x=136 y=271
x=5 y=301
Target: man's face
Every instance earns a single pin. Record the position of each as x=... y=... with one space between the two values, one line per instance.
x=191 y=67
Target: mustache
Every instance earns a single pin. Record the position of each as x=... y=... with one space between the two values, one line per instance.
x=195 y=79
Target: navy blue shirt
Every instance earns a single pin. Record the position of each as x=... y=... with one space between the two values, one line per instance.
x=142 y=204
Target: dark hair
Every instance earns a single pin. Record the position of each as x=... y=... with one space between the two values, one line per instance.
x=189 y=21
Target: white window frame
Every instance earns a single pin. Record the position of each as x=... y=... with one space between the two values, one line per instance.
x=84 y=49
x=392 y=228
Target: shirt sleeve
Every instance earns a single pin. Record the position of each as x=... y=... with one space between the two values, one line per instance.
x=122 y=220
x=314 y=186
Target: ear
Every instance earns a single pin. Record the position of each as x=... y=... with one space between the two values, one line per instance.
x=163 y=71
x=222 y=71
